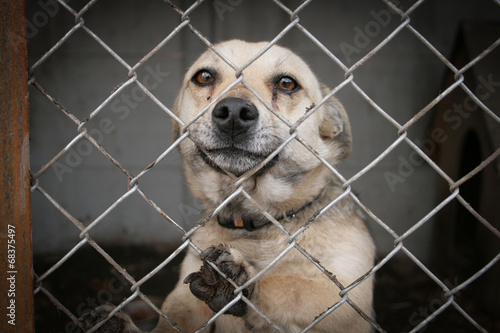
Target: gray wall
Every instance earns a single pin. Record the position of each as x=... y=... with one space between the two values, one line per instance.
x=402 y=78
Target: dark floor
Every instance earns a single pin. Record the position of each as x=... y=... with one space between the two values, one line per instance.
x=404 y=295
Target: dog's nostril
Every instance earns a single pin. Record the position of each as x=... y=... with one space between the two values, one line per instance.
x=248 y=113
x=221 y=113
x=234 y=115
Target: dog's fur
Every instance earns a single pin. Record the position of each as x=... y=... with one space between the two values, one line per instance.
x=292 y=187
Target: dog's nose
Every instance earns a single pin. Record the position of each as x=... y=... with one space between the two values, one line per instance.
x=234 y=116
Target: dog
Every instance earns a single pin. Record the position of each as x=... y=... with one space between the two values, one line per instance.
x=240 y=161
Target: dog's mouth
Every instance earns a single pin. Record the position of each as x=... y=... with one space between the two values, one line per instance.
x=235 y=160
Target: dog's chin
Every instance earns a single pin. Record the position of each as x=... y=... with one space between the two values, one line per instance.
x=235 y=161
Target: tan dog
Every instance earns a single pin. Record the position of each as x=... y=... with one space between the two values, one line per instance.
x=231 y=140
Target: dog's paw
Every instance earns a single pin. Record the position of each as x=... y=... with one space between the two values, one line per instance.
x=212 y=288
x=119 y=323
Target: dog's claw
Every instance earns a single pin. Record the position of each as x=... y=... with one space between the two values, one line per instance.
x=119 y=323
x=113 y=325
x=212 y=288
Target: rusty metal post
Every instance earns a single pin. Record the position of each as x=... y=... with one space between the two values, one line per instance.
x=16 y=278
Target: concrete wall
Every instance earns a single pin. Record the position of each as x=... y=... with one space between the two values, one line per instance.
x=402 y=78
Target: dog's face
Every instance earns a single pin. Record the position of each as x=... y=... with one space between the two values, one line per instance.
x=238 y=132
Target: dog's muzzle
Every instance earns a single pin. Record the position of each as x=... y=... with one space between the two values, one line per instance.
x=237 y=145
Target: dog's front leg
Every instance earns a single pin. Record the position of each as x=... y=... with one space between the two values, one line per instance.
x=290 y=301
x=293 y=302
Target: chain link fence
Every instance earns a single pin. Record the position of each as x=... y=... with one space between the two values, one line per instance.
x=79 y=131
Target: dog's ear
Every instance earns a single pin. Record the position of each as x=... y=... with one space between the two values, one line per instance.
x=334 y=124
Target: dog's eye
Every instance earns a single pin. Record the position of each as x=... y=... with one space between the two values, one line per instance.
x=287 y=84
x=203 y=77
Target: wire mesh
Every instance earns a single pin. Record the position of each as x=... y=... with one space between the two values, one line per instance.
x=133 y=187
